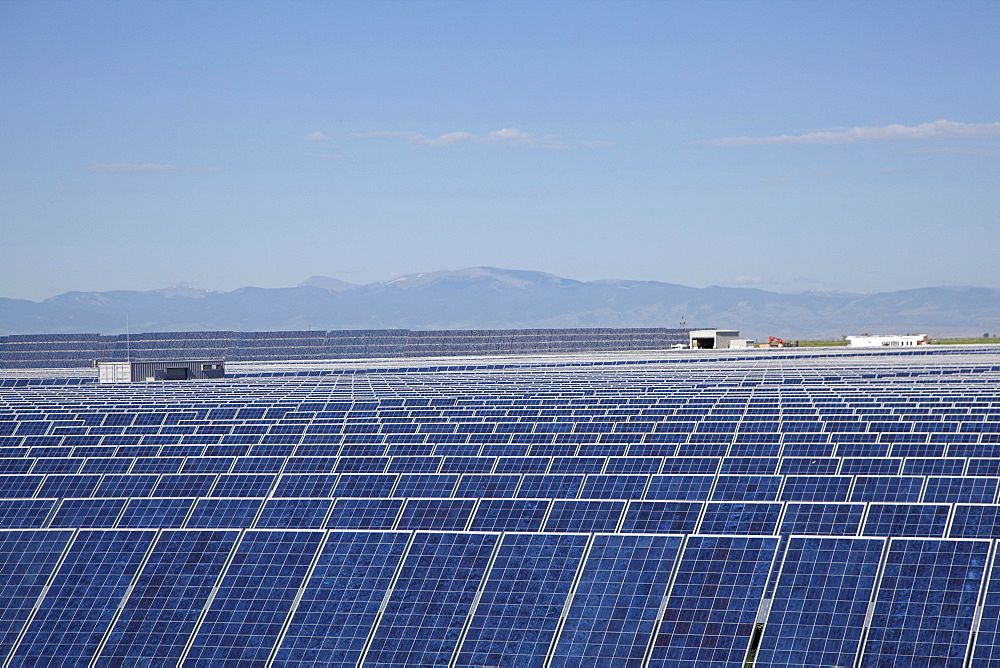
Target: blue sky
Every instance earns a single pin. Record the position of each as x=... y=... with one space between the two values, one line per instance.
x=785 y=146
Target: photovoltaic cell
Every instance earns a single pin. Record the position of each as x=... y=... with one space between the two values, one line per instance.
x=342 y=598
x=214 y=513
x=518 y=612
x=613 y=611
x=987 y=638
x=373 y=514
x=88 y=513
x=710 y=612
x=161 y=612
x=818 y=610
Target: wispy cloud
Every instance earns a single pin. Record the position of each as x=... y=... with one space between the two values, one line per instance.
x=129 y=167
x=502 y=137
x=315 y=136
x=858 y=135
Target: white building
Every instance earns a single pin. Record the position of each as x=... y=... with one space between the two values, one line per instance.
x=887 y=341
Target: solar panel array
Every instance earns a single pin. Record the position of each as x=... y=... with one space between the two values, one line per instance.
x=71 y=350
x=786 y=508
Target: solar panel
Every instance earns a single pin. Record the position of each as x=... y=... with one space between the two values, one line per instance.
x=254 y=596
x=431 y=599
x=294 y=513
x=926 y=601
x=906 y=519
x=162 y=609
x=352 y=513
x=750 y=518
x=436 y=514
x=580 y=515
x=662 y=517
x=818 y=610
x=155 y=513
x=341 y=600
x=27 y=560
x=88 y=513
x=518 y=611
x=709 y=615
x=621 y=573
x=510 y=515
x=81 y=601
x=224 y=513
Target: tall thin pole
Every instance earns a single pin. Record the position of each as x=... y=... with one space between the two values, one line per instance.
x=128 y=341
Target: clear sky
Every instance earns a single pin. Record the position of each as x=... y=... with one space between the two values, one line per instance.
x=786 y=146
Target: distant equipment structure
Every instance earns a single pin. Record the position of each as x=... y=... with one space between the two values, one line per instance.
x=887 y=341
x=134 y=372
x=716 y=339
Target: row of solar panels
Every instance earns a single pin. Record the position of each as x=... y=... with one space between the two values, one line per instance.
x=65 y=350
x=817 y=488
x=492 y=514
x=208 y=597
x=154 y=461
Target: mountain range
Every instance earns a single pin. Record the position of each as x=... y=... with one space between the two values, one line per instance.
x=491 y=298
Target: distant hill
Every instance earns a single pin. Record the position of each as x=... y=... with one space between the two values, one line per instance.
x=490 y=298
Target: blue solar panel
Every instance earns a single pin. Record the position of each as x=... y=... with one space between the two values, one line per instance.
x=519 y=609
x=926 y=602
x=750 y=518
x=509 y=515
x=351 y=513
x=306 y=484
x=831 y=519
x=88 y=513
x=473 y=485
x=747 y=488
x=550 y=486
x=975 y=521
x=161 y=612
x=662 y=517
x=679 y=487
x=577 y=515
x=613 y=486
x=342 y=599
x=155 y=513
x=360 y=485
x=224 y=513
x=431 y=599
x=815 y=488
x=887 y=489
x=613 y=612
x=436 y=514
x=294 y=513
x=254 y=597
x=817 y=614
x=709 y=615
x=81 y=602
x=906 y=519
x=961 y=490
x=25 y=513
x=987 y=638
x=27 y=560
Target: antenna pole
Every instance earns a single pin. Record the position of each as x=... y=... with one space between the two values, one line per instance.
x=128 y=341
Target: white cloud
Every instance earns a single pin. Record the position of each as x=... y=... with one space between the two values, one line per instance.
x=502 y=137
x=315 y=136
x=129 y=167
x=748 y=280
x=858 y=135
